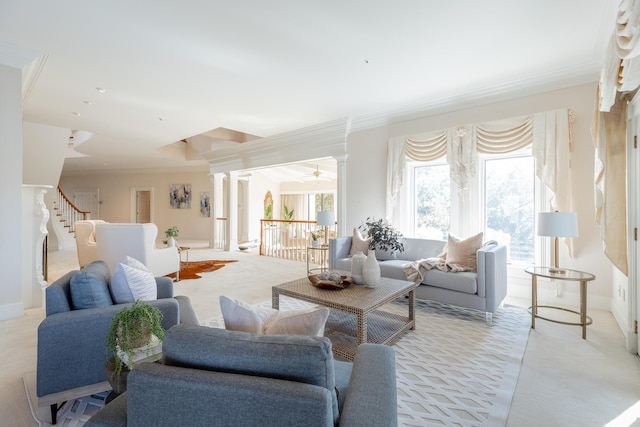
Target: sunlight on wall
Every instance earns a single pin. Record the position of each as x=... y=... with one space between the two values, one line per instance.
x=627 y=418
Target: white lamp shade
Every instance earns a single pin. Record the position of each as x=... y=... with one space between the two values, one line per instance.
x=326 y=218
x=557 y=224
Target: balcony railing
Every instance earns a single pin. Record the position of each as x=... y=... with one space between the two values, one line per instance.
x=289 y=239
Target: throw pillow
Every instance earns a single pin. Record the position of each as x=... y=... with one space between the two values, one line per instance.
x=240 y=316
x=132 y=281
x=359 y=243
x=463 y=252
x=89 y=289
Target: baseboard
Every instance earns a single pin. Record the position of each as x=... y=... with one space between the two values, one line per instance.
x=11 y=311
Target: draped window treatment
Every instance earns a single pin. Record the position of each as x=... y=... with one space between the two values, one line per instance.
x=620 y=74
x=548 y=133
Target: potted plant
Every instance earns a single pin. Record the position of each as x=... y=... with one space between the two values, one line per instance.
x=171 y=234
x=383 y=235
x=135 y=333
x=314 y=240
x=288 y=215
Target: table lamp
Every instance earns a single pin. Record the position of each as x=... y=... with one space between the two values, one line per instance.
x=326 y=219
x=557 y=224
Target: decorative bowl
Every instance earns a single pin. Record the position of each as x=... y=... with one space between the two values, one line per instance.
x=344 y=282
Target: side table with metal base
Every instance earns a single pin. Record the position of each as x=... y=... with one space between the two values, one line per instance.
x=568 y=275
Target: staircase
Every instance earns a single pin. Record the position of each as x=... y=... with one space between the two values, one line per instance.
x=67 y=214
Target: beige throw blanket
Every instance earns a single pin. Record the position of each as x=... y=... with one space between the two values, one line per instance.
x=415 y=271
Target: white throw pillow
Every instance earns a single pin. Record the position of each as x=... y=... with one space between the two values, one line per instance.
x=132 y=281
x=358 y=243
x=240 y=316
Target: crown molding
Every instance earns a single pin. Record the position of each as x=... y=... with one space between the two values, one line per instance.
x=319 y=141
x=532 y=85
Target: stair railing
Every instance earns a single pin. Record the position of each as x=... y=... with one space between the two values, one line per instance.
x=67 y=212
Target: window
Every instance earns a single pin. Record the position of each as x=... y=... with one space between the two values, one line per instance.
x=509 y=205
x=432 y=201
x=501 y=201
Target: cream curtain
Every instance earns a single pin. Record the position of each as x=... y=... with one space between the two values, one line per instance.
x=549 y=134
x=609 y=136
x=423 y=147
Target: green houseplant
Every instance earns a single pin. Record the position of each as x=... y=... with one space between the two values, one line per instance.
x=132 y=329
x=171 y=234
x=383 y=235
x=288 y=214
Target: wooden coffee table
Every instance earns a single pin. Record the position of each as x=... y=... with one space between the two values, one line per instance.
x=355 y=316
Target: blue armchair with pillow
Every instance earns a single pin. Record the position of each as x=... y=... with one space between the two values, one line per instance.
x=218 y=377
x=72 y=337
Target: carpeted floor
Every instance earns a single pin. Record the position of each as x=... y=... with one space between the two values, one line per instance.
x=467 y=380
x=191 y=269
x=453 y=369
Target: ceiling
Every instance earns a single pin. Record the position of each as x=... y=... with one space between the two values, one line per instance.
x=179 y=77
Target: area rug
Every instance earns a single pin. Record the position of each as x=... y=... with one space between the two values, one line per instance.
x=74 y=413
x=453 y=369
x=191 y=269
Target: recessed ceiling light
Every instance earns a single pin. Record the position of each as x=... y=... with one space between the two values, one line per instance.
x=89 y=103
x=101 y=90
x=160 y=118
x=366 y=60
x=75 y=113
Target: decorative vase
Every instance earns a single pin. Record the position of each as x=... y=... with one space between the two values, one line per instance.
x=371 y=270
x=314 y=243
x=357 y=262
x=171 y=241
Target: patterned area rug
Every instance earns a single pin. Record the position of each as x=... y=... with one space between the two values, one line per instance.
x=453 y=369
x=190 y=270
x=74 y=413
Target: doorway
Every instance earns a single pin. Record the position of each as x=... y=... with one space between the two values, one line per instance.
x=142 y=205
x=87 y=200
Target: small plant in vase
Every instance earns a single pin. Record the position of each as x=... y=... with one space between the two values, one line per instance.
x=384 y=236
x=171 y=234
x=134 y=334
x=314 y=240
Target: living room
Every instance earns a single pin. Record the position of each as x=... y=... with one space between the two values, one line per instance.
x=363 y=141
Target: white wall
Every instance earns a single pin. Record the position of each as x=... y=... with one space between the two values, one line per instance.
x=11 y=184
x=115 y=198
x=366 y=180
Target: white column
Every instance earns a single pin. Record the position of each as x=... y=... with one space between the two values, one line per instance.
x=34 y=230
x=232 y=212
x=11 y=177
x=217 y=209
x=341 y=194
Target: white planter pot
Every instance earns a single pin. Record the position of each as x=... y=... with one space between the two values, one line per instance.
x=357 y=263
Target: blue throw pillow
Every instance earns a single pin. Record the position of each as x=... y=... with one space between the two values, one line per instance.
x=89 y=287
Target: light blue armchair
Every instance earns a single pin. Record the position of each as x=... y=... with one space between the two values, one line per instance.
x=215 y=377
x=72 y=342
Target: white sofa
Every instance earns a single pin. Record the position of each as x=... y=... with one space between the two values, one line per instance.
x=115 y=241
x=484 y=290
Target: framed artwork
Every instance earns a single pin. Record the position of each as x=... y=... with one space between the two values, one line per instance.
x=205 y=204
x=180 y=196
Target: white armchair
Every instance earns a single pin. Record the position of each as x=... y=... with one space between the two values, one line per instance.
x=115 y=241
x=86 y=240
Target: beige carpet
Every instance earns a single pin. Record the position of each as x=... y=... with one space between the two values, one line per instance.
x=563 y=381
x=452 y=370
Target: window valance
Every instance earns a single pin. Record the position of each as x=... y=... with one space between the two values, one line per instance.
x=548 y=134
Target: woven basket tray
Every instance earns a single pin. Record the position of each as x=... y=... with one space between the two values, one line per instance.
x=345 y=281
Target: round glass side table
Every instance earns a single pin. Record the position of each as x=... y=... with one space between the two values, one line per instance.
x=560 y=274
